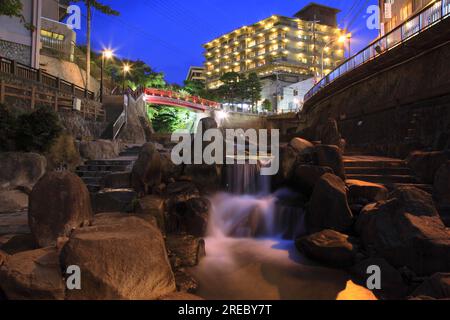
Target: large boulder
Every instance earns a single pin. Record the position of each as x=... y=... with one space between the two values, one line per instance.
x=436 y=287
x=114 y=200
x=426 y=164
x=329 y=247
x=99 y=150
x=155 y=206
x=366 y=191
x=330 y=156
x=301 y=145
x=32 y=275
x=59 y=203
x=13 y=201
x=16 y=243
x=190 y=216
x=442 y=184
x=305 y=177
x=206 y=177
x=169 y=170
x=392 y=284
x=330 y=135
x=120 y=258
x=406 y=230
x=288 y=161
x=146 y=173
x=21 y=169
x=328 y=207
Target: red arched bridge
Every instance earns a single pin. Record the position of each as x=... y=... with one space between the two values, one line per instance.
x=176 y=99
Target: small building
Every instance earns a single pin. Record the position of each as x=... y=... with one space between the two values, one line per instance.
x=196 y=74
x=294 y=94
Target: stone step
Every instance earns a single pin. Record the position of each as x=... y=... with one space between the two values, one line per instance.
x=379 y=170
x=377 y=164
x=92 y=174
x=383 y=179
x=110 y=168
x=110 y=162
x=92 y=181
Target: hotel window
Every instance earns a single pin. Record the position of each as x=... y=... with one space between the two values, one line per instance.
x=252 y=43
x=273 y=47
x=53 y=35
x=228 y=51
x=252 y=54
x=406 y=11
x=261 y=51
x=237 y=69
x=273 y=36
x=261 y=63
x=252 y=65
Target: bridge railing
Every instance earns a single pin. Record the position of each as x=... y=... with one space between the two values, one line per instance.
x=429 y=16
x=178 y=96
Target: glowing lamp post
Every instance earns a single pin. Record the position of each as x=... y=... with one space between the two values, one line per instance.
x=106 y=55
x=126 y=69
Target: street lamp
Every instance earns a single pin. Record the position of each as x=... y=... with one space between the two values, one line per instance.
x=107 y=54
x=349 y=38
x=341 y=39
x=126 y=69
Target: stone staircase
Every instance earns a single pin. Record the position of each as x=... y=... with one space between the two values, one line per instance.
x=93 y=171
x=386 y=171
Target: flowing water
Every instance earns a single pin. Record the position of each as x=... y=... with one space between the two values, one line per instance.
x=250 y=250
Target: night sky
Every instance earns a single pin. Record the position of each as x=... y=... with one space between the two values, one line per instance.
x=168 y=34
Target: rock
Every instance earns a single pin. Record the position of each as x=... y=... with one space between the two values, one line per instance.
x=59 y=203
x=185 y=250
x=442 y=184
x=117 y=218
x=301 y=145
x=18 y=243
x=330 y=156
x=329 y=247
x=190 y=216
x=436 y=287
x=406 y=230
x=146 y=173
x=288 y=161
x=99 y=150
x=329 y=135
x=306 y=176
x=169 y=170
x=110 y=200
x=185 y=282
x=120 y=259
x=368 y=191
x=119 y=180
x=393 y=287
x=3 y=257
x=33 y=275
x=328 y=207
x=206 y=124
x=155 y=206
x=13 y=201
x=20 y=169
x=426 y=164
x=207 y=178
x=181 y=191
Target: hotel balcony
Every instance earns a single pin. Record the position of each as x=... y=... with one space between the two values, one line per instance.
x=57 y=40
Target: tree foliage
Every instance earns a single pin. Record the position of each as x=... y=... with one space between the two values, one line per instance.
x=13 y=9
x=7 y=129
x=239 y=88
x=169 y=119
x=63 y=153
x=267 y=105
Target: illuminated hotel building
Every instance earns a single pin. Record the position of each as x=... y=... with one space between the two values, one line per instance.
x=288 y=49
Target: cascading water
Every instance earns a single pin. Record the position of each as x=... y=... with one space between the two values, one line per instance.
x=247 y=257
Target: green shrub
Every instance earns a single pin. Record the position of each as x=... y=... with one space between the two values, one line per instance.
x=169 y=119
x=38 y=130
x=7 y=129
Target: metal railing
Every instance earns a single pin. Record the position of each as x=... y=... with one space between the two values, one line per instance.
x=429 y=16
x=19 y=70
x=122 y=119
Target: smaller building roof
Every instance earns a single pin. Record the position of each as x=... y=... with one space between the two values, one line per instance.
x=317 y=5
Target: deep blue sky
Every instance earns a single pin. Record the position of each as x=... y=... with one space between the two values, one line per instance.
x=168 y=34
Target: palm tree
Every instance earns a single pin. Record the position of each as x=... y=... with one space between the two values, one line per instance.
x=93 y=4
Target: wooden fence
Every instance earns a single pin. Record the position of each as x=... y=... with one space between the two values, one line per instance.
x=42 y=88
